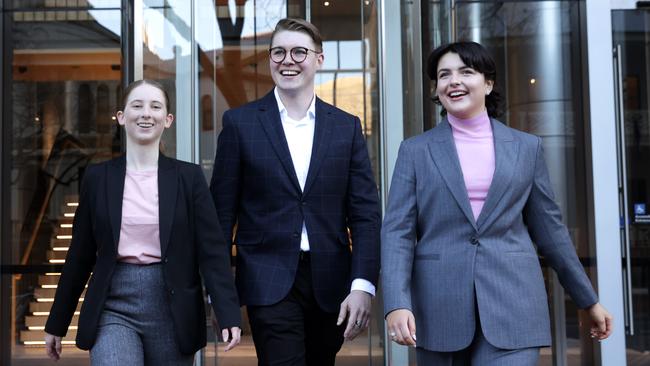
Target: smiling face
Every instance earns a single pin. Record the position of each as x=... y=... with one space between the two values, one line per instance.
x=460 y=88
x=145 y=115
x=291 y=77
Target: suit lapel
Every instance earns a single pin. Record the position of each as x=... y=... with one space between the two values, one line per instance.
x=322 y=135
x=115 y=193
x=443 y=152
x=269 y=118
x=167 y=192
x=506 y=150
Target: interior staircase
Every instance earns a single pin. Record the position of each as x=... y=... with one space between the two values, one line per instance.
x=39 y=307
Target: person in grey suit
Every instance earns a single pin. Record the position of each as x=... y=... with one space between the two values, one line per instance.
x=467 y=201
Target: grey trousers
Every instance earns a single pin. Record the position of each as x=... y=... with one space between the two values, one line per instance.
x=479 y=353
x=136 y=327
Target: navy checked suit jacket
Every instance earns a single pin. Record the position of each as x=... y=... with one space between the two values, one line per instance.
x=255 y=187
x=441 y=264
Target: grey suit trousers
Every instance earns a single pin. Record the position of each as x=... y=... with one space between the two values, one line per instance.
x=136 y=325
x=479 y=353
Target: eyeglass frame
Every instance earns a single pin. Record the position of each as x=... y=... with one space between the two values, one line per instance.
x=291 y=53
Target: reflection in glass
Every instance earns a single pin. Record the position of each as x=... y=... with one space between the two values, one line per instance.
x=348 y=80
x=631 y=33
x=64 y=69
x=536 y=46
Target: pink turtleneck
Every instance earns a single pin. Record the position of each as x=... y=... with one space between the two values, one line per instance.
x=475 y=147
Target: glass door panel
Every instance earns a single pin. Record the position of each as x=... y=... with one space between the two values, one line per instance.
x=212 y=55
x=536 y=46
x=348 y=80
x=61 y=81
x=631 y=39
x=168 y=57
x=232 y=40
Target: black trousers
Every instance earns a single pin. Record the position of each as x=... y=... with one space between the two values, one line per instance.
x=296 y=331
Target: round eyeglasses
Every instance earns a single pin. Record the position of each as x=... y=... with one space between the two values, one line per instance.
x=298 y=54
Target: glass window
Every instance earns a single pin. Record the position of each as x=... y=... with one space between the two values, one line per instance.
x=348 y=80
x=61 y=76
x=537 y=48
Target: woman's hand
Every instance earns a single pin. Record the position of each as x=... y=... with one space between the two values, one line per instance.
x=602 y=322
x=401 y=327
x=234 y=334
x=53 y=346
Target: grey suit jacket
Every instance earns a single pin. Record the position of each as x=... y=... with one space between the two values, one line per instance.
x=435 y=256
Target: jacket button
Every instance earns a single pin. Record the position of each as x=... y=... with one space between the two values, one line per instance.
x=295 y=235
x=474 y=241
x=171 y=292
x=166 y=260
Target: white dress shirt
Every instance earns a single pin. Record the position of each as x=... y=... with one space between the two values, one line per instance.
x=300 y=138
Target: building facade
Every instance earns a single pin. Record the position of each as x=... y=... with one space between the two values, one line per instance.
x=574 y=72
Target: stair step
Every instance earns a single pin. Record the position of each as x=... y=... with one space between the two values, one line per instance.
x=48 y=293
x=67 y=230
x=59 y=243
x=48 y=280
x=44 y=307
x=56 y=254
x=39 y=320
x=39 y=335
x=64 y=220
x=68 y=209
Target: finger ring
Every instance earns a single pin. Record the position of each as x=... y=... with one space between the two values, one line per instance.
x=392 y=334
x=357 y=323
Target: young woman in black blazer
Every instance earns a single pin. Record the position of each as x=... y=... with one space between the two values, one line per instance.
x=144 y=228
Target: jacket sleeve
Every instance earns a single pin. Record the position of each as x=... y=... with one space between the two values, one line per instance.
x=363 y=212
x=398 y=234
x=79 y=262
x=225 y=182
x=214 y=255
x=545 y=226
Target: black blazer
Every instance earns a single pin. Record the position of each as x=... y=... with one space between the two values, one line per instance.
x=254 y=185
x=190 y=238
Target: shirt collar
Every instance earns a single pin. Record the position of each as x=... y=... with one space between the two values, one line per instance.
x=311 y=112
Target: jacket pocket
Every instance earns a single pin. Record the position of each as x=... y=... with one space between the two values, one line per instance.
x=246 y=238
x=522 y=253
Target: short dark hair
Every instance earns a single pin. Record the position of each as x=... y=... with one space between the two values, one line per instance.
x=137 y=83
x=299 y=25
x=475 y=56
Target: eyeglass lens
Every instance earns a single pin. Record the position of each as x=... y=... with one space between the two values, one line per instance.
x=298 y=54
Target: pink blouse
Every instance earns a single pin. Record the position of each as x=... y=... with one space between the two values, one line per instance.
x=475 y=147
x=140 y=232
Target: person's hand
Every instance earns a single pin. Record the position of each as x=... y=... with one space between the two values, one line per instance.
x=53 y=346
x=233 y=334
x=356 y=307
x=602 y=322
x=401 y=327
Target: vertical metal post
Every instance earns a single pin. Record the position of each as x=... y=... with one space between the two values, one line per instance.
x=194 y=86
x=138 y=43
x=603 y=169
x=622 y=189
x=391 y=113
x=5 y=300
x=452 y=20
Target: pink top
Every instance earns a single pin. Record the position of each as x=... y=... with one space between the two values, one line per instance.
x=475 y=147
x=140 y=233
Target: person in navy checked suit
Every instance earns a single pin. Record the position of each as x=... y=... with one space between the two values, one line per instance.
x=292 y=173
